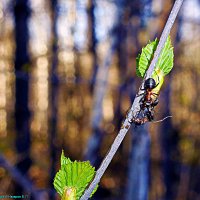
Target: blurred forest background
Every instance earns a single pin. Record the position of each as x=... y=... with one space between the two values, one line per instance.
x=67 y=79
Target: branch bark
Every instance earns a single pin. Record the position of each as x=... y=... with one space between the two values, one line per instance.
x=135 y=106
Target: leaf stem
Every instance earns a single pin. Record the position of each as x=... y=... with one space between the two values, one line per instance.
x=69 y=194
x=135 y=106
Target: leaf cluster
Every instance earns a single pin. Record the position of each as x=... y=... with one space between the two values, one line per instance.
x=75 y=175
x=165 y=61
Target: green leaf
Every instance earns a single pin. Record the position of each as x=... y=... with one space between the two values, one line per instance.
x=165 y=61
x=60 y=182
x=64 y=160
x=74 y=175
x=144 y=59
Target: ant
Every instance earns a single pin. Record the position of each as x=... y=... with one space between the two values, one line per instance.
x=147 y=102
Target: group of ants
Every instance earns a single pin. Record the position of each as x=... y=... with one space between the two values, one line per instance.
x=147 y=103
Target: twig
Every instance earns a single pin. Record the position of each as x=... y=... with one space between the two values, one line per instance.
x=135 y=106
x=164 y=35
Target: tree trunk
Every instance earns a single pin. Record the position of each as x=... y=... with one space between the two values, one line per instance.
x=53 y=96
x=22 y=66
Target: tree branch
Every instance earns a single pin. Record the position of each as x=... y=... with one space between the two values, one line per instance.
x=135 y=106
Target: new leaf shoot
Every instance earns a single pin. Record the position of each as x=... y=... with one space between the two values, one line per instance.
x=73 y=178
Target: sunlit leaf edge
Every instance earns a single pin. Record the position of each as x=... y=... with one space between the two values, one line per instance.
x=165 y=61
x=143 y=60
x=75 y=174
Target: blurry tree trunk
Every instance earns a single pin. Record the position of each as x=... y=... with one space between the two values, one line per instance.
x=101 y=84
x=178 y=35
x=145 y=11
x=169 y=140
x=94 y=143
x=22 y=66
x=169 y=146
x=122 y=63
x=53 y=95
x=138 y=168
x=93 y=43
x=138 y=175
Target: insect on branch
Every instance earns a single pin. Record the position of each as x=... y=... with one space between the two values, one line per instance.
x=135 y=106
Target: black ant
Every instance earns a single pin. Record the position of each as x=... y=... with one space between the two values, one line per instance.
x=147 y=102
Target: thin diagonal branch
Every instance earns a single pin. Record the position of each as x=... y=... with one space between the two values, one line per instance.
x=135 y=106
x=164 y=35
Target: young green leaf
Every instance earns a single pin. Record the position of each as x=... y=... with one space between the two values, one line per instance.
x=60 y=182
x=165 y=61
x=76 y=175
x=64 y=160
x=144 y=59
